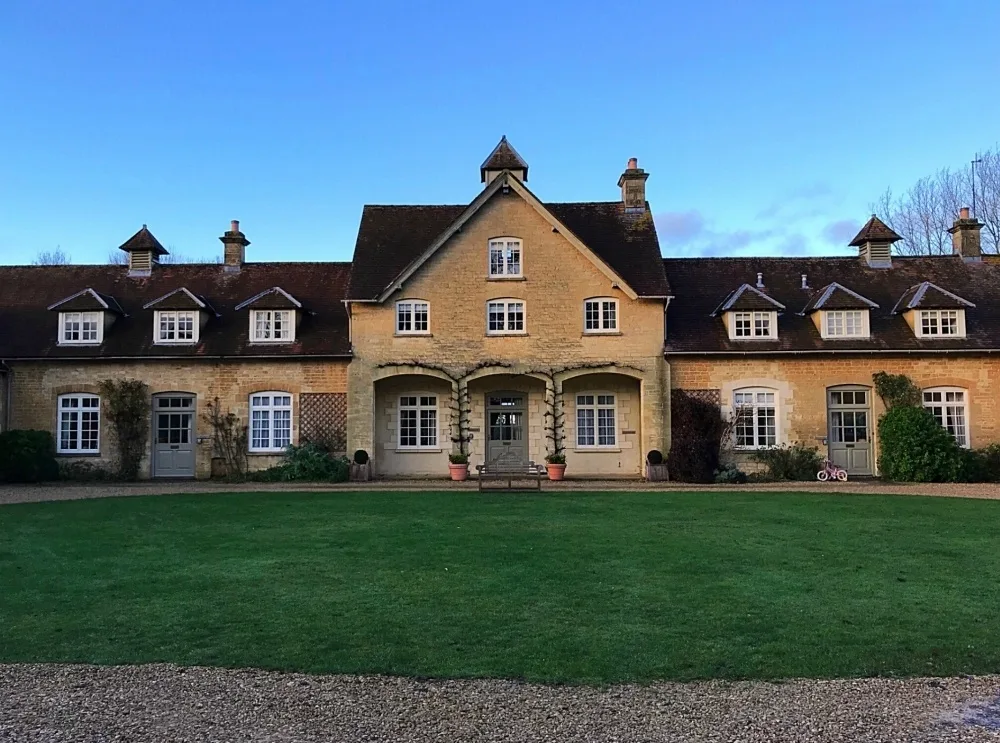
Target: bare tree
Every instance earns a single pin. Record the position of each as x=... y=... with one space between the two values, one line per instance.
x=57 y=257
x=120 y=258
x=923 y=213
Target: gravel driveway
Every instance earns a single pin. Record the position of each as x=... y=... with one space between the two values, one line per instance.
x=58 y=703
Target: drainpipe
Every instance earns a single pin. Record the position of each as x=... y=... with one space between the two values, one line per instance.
x=6 y=372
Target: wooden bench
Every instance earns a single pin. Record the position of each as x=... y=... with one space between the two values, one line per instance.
x=511 y=469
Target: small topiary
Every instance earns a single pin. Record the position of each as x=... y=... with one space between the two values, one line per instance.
x=458 y=458
x=654 y=457
x=555 y=459
x=361 y=457
x=916 y=448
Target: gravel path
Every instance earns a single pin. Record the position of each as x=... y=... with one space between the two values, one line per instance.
x=58 y=703
x=62 y=491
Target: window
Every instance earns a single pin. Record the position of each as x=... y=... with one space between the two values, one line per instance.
x=418 y=426
x=413 y=317
x=505 y=257
x=81 y=328
x=176 y=327
x=79 y=424
x=938 y=323
x=845 y=324
x=753 y=325
x=948 y=405
x=272 y=326
x=270 y=421
x=596 y=421
x=600 y=315
x=504 y=317
x=756 y=418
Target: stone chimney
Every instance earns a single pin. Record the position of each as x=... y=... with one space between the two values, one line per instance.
x=633 y=185
x=234 y=247
x=965 y=237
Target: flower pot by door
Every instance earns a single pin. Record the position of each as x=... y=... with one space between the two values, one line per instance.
x=458 y=472
x=556 y=471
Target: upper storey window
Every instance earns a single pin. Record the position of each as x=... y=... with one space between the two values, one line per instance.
x=272 y=326
x=81 y=328
x=506 y=258
x=941 y=323
x=600 y=315
x=753 y=325
x=176 y=326
x=845 y=324
x=413 y=317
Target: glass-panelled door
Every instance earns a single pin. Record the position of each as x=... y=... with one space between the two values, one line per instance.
x=173 y=435
x=849 y=416
x=506 y=420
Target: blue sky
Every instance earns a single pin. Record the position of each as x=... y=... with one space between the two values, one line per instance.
x=767 y=127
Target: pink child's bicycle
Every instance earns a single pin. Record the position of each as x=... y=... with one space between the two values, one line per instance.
x=831 y=471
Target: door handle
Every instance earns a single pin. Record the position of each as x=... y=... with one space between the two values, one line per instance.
x=175 y=446
x=848 y=446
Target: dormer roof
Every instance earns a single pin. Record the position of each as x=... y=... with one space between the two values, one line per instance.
x=178 y=299
x=928 y=296
x=143 y=240
x=87 y=300
x=836 y=296
x=503 y=157
x=875 y=231
x=747 y=297
x=274 y=298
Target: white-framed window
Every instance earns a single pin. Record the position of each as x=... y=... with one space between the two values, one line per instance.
x=505 y=317
x=413 y=317
x=175 y=326
x=845 y=324
x=753 y=325
x=272 y=326
x=950 y=407
x=940 y=323
x=506 y=257
x=418 y=422
x=600 y=315
x=79 y=424
x=596 y=420
x=756 y=411
x=81 y=328
x=270 y=421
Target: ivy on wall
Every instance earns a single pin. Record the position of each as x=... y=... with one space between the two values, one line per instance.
x=126 y=405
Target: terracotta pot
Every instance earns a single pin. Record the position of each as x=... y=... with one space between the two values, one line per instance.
x=556 y=471
x=458 y=472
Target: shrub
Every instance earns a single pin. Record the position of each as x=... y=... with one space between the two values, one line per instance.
x=361 y=457
x=730 y=474
x=27 y=456
x=81 y=470
x=458 y=458
x=916 y=448
x=556 y=459
x=796 y=462
x=981 y=465
x=696 y=437
x=309 y=462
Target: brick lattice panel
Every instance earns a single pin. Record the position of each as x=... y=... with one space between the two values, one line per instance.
x=323 y=419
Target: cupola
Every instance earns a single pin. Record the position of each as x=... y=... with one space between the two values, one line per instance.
x=504 y=157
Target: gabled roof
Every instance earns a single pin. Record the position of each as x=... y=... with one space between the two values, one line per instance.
x=274 y=298
x=87 y=300
x=875 y=230
x=394 y=241
x=928 y=296
x=836 y=296
x=503 y=157
x=178 y=299
x=143 y=240
x=698 y=283
x=747 y=297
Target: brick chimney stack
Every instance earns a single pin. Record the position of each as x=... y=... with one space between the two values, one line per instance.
x=965 y=237
x=234 y=247
x=633 y=185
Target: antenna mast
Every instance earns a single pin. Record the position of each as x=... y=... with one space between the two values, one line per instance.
x=976 y=160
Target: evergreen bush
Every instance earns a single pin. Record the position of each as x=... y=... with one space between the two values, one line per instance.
x=27 y=456
x=914 y=447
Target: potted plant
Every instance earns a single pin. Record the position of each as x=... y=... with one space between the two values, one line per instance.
x=458 y=466
x=555 y=464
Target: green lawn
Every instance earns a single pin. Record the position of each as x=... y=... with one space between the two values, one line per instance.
x=569 y=587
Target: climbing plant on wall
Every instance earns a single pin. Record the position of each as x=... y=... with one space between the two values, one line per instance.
x=126 y=406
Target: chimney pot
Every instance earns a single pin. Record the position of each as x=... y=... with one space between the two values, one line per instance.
x=963 y=213
x=760 y=281
x=805 y=282
x=633 y=163
x=234 y=225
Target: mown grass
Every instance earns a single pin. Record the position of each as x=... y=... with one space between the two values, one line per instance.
x=574 y=587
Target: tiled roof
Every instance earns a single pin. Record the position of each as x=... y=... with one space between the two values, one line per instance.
x=143 y=240
x=747 y=297
x=699 y=284
x=837 y=297
x=392 y=237
x=875 y=230
x=29 y=330
x=928 y=296
x=503 y=157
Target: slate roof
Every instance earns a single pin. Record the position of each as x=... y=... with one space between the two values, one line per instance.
x=837 y=297
x=392 y=237
x=29 y=330
x=503 y=157
x=875 y=230
x=143 y=240
x=700 y=284
x=928 y=296
x=748 y=297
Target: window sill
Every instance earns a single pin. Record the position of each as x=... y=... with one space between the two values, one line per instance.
x=266 y=453
x=506 y=278
x=601 y=332
x=175 y=343
x=77 y=455
x=942 y=337
x=285 y=341
x=412 y=335
x=418 y=450
x=743 y=339
x=595 y=449
x=78 y=343
x=846 y=337
x=521 y=333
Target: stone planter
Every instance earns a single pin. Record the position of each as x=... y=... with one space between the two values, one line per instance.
x=556 y=471
x=458 y=472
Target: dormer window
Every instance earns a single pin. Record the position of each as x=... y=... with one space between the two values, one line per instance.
x=940 y=323
x=845 y=324
x=81 y=328
x=505 y=258
x=176 y=326
x=272 y=326
x=760 y=325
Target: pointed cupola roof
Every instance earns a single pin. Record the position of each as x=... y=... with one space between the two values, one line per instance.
x=503 y=157
x=874 y=231
x=143 y=241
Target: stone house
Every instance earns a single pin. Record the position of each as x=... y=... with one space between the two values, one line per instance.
x=505 y=326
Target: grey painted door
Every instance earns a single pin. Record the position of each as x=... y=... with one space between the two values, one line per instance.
x=173 y=435
x=506 y=419
x=849 y=414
